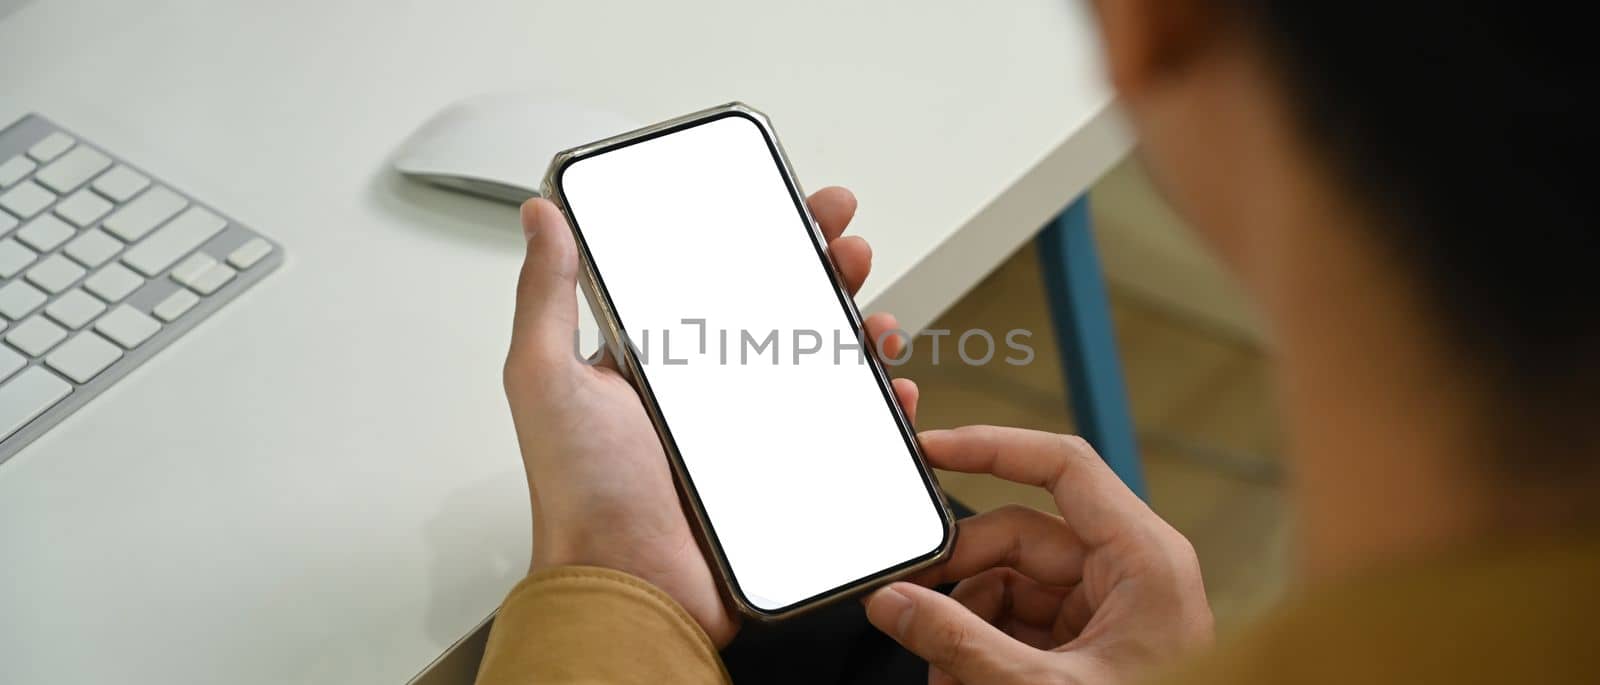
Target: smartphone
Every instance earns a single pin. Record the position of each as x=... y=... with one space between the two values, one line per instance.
x=716 y=297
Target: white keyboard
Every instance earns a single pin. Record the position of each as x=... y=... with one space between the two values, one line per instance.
x=101 y=266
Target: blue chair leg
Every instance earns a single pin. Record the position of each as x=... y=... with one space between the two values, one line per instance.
x=1081 y=315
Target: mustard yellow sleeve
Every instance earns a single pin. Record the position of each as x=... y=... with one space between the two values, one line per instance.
x=593 y=626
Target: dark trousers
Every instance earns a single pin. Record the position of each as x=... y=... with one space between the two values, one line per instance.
x=830 y=645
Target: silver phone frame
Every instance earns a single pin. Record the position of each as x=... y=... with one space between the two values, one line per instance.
x=611 y=331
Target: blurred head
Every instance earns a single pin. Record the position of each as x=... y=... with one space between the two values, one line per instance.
x=1434 y=148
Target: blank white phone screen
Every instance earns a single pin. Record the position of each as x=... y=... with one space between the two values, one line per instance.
x=787 y=437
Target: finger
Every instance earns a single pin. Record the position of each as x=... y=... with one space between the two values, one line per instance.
x=1027 y=633
x=1038 y=545
x=1074 y=615
x=832 y=207
x=852 y=258
x=906 y=391
x=887 y=337
x=984 y=595
x=603 y=359
x=1016 y=604
x=951 y=638
x=1093 y=501
x=546 y=318
x=1036 y=603
x=884 y=333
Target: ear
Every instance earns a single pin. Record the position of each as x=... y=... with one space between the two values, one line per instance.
x=1148 y=41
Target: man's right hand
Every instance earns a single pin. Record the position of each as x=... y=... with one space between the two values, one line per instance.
x=1099 y=594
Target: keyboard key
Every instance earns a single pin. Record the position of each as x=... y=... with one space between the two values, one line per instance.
x=36 y=335
x=18 y=298
x=189 y=270
x=84 y=356
x=75 y=308
x=249 y=253
x=93 y=248
x=147 y=211
x=73 y=168
x=177 y=304
x=27 y=199
x=7 y=222
x=51 y=147
x=121 y=183
x=202 y=274
x=176 y=239
x=10 y=361
x=55 y=273
x=113 y=282
x=14 y=169
x=45 y=232
x=212 y=280
x=27 y=395
x=83 y=208
x=14 y=257
x=127 y=326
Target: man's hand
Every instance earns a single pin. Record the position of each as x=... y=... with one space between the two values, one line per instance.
x=1097 y=595
x=601 y=488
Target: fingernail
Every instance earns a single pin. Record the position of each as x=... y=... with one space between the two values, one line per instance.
x=895 y=604
x=530 y=215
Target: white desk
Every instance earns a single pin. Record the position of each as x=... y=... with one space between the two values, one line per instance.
x=321 y=483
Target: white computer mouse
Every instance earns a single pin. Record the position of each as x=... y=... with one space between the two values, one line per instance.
x=498 y=145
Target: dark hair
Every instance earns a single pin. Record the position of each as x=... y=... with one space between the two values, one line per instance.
x=1466 y=129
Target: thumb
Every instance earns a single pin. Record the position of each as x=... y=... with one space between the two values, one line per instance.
x=951 y=638
x=546 y=319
